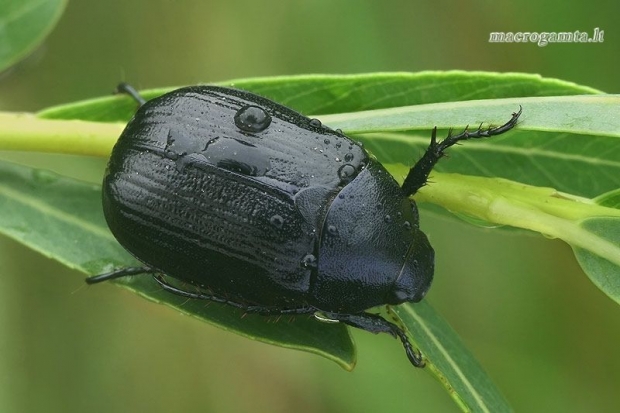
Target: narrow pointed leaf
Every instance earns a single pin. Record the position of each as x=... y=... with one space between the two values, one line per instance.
x=603 y=273
x=327 y=94
x=449 y=360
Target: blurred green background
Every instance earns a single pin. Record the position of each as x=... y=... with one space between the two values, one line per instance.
x=544 y=333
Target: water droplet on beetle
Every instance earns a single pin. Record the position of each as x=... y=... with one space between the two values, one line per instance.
x=407 y=225
x=338 y=145
x=252 y=119
x=171 y=155
x=339 y=131
x=346 y=172
x=332 y=230
x=387 y=219
x=178 y=144
x=277 y=221
x=237 y=156
x=308 y=261
x=326 y=141
x=316 y=123
x=349 y=157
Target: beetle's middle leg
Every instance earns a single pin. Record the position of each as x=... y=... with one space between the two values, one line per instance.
x=251 y=309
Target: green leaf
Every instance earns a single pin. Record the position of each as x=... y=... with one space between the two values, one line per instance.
x=610 y=199
x=62 y=219
x=23 y=26
x=587 y=114
x=603 y=273
x=327 y=94
x=449 y=360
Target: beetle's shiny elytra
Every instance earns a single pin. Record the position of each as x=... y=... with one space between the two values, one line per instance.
x=265 y=209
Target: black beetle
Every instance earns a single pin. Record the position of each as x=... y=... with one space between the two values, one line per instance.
x=264 y=209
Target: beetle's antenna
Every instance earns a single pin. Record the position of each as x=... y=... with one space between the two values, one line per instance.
x=131 y=91
x=418 y=174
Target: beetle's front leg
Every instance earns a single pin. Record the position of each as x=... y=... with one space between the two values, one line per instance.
x=376 y=324
x=250 y=309
x=418 y=175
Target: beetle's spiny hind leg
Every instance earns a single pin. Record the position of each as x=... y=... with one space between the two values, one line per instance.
x=418 y=175
x=376 y=324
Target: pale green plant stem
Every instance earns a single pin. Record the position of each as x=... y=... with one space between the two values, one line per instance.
x=25 y=132
x=504 y=202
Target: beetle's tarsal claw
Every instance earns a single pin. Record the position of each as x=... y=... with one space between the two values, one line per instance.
x=434 y=136
x=415 y=357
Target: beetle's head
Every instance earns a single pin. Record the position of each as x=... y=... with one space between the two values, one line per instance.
x=416 y=274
